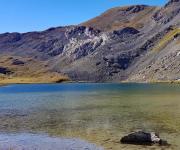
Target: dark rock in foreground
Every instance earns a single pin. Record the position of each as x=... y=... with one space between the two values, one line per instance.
x=143 y=138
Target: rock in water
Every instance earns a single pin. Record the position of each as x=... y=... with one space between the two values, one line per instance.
x=143 y=138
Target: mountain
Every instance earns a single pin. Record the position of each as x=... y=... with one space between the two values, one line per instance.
x=134 y=43
x=120 y=17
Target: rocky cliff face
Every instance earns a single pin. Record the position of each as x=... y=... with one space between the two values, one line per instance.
x=135 y=43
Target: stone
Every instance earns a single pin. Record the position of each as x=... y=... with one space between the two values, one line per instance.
x=17 y=62
x=5 y=71
x=143 y=138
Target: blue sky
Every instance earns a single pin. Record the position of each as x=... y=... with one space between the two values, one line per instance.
x=31 y=15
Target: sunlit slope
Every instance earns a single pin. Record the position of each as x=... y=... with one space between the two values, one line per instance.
x=136 y=43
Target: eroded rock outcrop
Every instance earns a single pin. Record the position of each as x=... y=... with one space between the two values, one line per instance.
x=5 y=71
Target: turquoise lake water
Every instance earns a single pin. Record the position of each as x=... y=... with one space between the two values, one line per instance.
x=99 y=113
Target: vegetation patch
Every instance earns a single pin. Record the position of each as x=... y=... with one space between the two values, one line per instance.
x=166 y=39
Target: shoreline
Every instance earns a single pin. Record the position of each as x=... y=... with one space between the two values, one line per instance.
x=68 y=81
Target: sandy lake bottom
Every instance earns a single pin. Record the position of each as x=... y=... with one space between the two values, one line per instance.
x=98 y=113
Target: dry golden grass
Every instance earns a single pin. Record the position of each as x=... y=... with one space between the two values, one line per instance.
x=111 y=20
x=166 y=39
x=178 y=42
x=48 y=78
x=166 y=81
x=32 y=71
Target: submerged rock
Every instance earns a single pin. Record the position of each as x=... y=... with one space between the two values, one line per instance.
x=143 y=138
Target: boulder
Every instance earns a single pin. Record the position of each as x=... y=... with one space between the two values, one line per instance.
x=143 y=138
x=17 y=62
x=5 y=71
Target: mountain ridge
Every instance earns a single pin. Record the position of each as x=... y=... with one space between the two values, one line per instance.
x=134 y=44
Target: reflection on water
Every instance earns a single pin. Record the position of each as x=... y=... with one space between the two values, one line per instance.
x=100 y=113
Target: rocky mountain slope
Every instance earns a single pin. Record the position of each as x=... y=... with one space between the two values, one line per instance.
x=135 y=43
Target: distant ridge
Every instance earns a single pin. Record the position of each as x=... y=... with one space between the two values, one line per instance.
x=136 y=43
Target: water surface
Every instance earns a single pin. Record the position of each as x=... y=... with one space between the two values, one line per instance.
x=26 y=141
x=99 y=113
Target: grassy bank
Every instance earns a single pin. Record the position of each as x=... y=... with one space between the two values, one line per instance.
x=47 y=78
x=56 y=78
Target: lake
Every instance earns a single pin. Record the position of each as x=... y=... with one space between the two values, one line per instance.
x=98 y=113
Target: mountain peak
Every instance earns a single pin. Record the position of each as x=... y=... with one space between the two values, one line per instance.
x=119 y=17
x=135 y=8
x=174 y=1
x=171 y=2
x=119 y=45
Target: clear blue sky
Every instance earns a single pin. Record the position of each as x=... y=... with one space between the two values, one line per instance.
x=30 y=15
